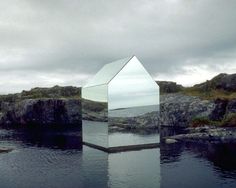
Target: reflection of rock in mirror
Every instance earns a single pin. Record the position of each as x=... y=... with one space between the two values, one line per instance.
x=135 y=117
x=124 y=95
x=94 y=111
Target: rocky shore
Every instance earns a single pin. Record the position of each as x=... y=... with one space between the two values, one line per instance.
x=176 y=110
x=206 y=134
x=41 y=112
x=179 y=107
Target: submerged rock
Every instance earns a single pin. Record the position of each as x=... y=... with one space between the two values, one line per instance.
x=5 y=150
x=210 y=134
x=170 y=141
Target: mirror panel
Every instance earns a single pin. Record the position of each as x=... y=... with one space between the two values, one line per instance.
x=94 y=114
x=135 y=106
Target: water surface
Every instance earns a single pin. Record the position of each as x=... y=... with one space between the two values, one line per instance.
x=57 y=158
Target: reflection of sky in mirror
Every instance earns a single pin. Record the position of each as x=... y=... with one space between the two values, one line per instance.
x=95 y=93
x=133 y=86
x=107 y=72
x=95 y=132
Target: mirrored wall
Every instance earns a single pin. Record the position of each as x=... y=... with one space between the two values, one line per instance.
x=123 y=110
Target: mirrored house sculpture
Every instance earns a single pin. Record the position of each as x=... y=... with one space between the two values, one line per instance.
x=119 y=100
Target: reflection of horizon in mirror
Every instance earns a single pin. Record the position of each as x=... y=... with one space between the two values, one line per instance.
x=138 y=88
x=133 y=111
x=95 y=93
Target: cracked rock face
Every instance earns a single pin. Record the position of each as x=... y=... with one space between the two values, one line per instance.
x=179 y=109
x=41 y=112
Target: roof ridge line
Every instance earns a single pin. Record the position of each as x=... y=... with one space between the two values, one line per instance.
x=121 y=69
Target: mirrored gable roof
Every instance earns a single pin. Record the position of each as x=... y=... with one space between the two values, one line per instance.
x=108 y=72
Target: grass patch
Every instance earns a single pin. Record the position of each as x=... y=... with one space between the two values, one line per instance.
x=202 y=121
x=209 y=94
x=228 y=121
x=41 y=93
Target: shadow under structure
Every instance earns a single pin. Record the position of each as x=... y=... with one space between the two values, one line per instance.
x=120 y=106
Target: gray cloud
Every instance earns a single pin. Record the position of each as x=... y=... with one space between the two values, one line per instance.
x=60 y=39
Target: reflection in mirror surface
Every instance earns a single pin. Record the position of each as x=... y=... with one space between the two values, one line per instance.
x=94 y=114
x=132 y=87
x=120 y=97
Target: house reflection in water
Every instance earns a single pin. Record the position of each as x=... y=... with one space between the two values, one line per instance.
x=121 y=97
x=126 y=169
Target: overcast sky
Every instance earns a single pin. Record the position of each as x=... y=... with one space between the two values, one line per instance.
x=65 y=42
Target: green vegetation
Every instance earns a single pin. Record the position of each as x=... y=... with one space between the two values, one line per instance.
x=210 y=94
x=228 y=121
x=54 y=92
x=221 y=86
x=201 y=121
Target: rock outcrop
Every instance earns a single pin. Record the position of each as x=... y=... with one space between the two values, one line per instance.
x=169 y=87
x=41 y=112
x=219 y=111
x=179 y=110
x=222 y=81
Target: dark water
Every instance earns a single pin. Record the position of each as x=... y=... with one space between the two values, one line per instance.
x=56 y=158
x=198 y=165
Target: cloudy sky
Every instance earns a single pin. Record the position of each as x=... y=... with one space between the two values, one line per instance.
x=61 y=42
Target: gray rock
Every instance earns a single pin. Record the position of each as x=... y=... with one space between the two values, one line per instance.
x=219 y=111
x=170 y=141
x=222 y=81
x=213 y=134
x=228 y=83
x=42 y=112
x=5 y=149
x=169 y=87
x=231 y=108
x=179 y=109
